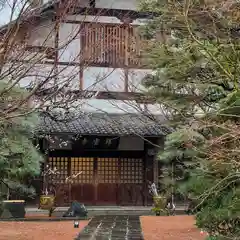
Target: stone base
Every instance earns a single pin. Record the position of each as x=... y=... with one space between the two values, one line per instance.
x=104 y=210
x=113 y=228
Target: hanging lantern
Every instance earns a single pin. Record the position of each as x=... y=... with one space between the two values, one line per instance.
x=76 y=224
x=96 y=142
x=108 y=141
x=84 y=141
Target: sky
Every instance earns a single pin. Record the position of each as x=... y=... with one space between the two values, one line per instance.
x=5 y=9
x=4 y=14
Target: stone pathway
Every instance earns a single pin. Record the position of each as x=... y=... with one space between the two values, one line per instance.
x=112 y=228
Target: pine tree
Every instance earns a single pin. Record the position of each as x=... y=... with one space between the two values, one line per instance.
x=194 y=53
x=179 y=156
x=19 y=157
x=192 y=69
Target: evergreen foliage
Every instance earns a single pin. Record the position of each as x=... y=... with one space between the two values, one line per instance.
x=194 y=52
x=19 y=158
x=179 y=156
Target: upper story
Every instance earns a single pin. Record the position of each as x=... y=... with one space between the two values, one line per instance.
x=95 y=43
x=90 y=46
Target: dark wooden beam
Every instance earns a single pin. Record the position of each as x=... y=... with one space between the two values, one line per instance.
x=87 y=64
x=104 y=95
x=51 y=13
x=118 y=13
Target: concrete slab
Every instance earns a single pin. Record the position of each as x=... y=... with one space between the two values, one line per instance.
x=103 y=210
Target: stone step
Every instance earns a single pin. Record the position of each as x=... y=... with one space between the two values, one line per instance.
x=100 y=211
x=112 y=228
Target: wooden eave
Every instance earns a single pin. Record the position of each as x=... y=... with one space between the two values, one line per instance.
x=50 y=12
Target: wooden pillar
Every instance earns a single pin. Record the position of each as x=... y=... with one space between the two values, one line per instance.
x=45 y=146
x=126 y=22
x=69 y=165
x=148 y=170
x=95 y=181
x=152 y=146
x=119 y=195
x=145 y=182
x=156 y=172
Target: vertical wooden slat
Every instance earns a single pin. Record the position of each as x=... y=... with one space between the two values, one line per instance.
x=117 y=46
x=126 y=62
x=107 y=44
x=102 y=44
x=95 y=177
x=110 y=44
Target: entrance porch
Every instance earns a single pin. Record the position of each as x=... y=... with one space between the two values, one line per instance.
x=107 y=177
x=115 y=154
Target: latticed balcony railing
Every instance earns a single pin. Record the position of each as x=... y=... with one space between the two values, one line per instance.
x=113 y=45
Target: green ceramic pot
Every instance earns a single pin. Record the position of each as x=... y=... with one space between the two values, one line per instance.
x=159 y=202
x=159 y=205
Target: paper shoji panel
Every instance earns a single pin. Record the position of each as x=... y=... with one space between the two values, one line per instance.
x=131 y=170
x=84 y=165
x=61 y=164
x=107 y=170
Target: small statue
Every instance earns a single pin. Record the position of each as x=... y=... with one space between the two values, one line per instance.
x=170 y=206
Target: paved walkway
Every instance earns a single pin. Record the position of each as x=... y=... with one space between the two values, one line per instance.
x=112 y=228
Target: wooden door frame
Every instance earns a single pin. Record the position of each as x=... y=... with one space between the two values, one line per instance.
x=102 y=154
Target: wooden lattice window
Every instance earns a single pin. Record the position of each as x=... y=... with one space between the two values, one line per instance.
x=61 y=164
x=107 y=170
x=111 y=45
x=85 y=166
x=131 y=170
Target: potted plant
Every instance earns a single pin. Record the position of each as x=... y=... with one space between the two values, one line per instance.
x=12 y=208
x=159 y=201
x=47 y=199
x=13 y=193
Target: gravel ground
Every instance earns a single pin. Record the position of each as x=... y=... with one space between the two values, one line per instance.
x=154 y=228
x=40 y=230
x=170 y=228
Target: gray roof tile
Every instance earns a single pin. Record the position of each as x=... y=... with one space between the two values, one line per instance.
x=106 y=124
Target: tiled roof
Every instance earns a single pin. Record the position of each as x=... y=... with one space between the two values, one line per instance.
x=106 y=124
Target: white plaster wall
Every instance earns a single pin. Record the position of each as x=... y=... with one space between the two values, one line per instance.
x=68 y=76
x=117 y=106
x=118 y=4
x=42 y=35
x=36 y=74
x=27 y=75
x=69 y=42
x=32 y=75
x=94 y=78
x=110 y=79
x=108 y=106
x=135 y=78
x=103 y=79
